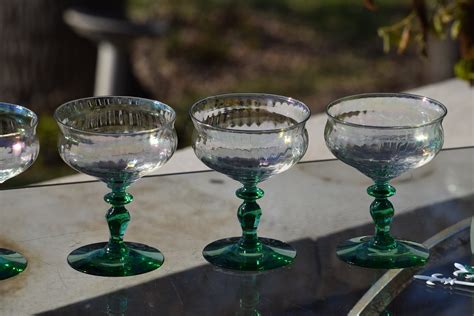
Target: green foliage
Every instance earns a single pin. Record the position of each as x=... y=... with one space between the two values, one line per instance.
x=48 y=132
x=464 y=69
x=444 y=19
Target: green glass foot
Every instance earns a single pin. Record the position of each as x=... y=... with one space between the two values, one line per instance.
x=227 y=254
x=361 y=252
x=11 y=263
x=93 y=259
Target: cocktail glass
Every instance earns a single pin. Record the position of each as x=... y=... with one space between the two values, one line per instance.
x=249 y=137
x=117 y=140
x=383 y=135
x=19 y=148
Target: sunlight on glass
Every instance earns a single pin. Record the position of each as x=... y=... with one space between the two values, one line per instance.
x=421 y=137
x=17 y=148
x=132 y=163
x=154 y=141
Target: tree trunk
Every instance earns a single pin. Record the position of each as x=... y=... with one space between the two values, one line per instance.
x=42 y=62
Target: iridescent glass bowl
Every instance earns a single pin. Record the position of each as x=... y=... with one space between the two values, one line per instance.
x=249 y=137
x=19 y=148
x=117 y=140
x=383 y=135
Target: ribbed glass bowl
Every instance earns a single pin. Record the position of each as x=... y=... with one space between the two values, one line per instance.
x=249 y=137
x=19 y=148
x=117 y=140
x=384 y=135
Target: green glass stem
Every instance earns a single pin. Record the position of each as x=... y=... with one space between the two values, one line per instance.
x=249 y=217
x=382 y=251
x=249 y=252
x=117 y=218
x=382 y=212
x=116 y=257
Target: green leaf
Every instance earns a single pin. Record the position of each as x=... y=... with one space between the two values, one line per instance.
x=455 y=28
x=437 y=24
x=464 y=69
x=405 y=38
x=386 y=40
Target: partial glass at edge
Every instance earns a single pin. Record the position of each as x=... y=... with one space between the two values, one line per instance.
x=117 y=140
x=19 y=148
x=249 y=137
x=384 y=135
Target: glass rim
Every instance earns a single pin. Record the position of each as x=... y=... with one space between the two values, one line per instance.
x=254 y=95
x=144 y=100
x=24 y=111
x=387 y=95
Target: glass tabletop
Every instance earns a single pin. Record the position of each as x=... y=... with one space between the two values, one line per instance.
x=439 y=299
x=314 y=206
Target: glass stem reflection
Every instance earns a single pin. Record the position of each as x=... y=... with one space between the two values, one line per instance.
x=249 y=217
x=382 y=212
x=117 y=218
x=249 y=296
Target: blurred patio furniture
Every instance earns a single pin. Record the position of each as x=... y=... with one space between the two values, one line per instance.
x=113 y=35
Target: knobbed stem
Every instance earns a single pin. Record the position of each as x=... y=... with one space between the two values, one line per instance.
x=249 y=217
x=382 y=212
x=117 y=218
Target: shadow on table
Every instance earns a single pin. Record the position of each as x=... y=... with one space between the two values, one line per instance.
x=316 y=284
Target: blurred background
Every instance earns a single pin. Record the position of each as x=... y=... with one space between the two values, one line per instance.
x=178 y=51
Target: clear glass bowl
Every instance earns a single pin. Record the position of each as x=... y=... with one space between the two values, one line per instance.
x=117 y=140
x=19 y=148
x=383 y=135
x=249 y=137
